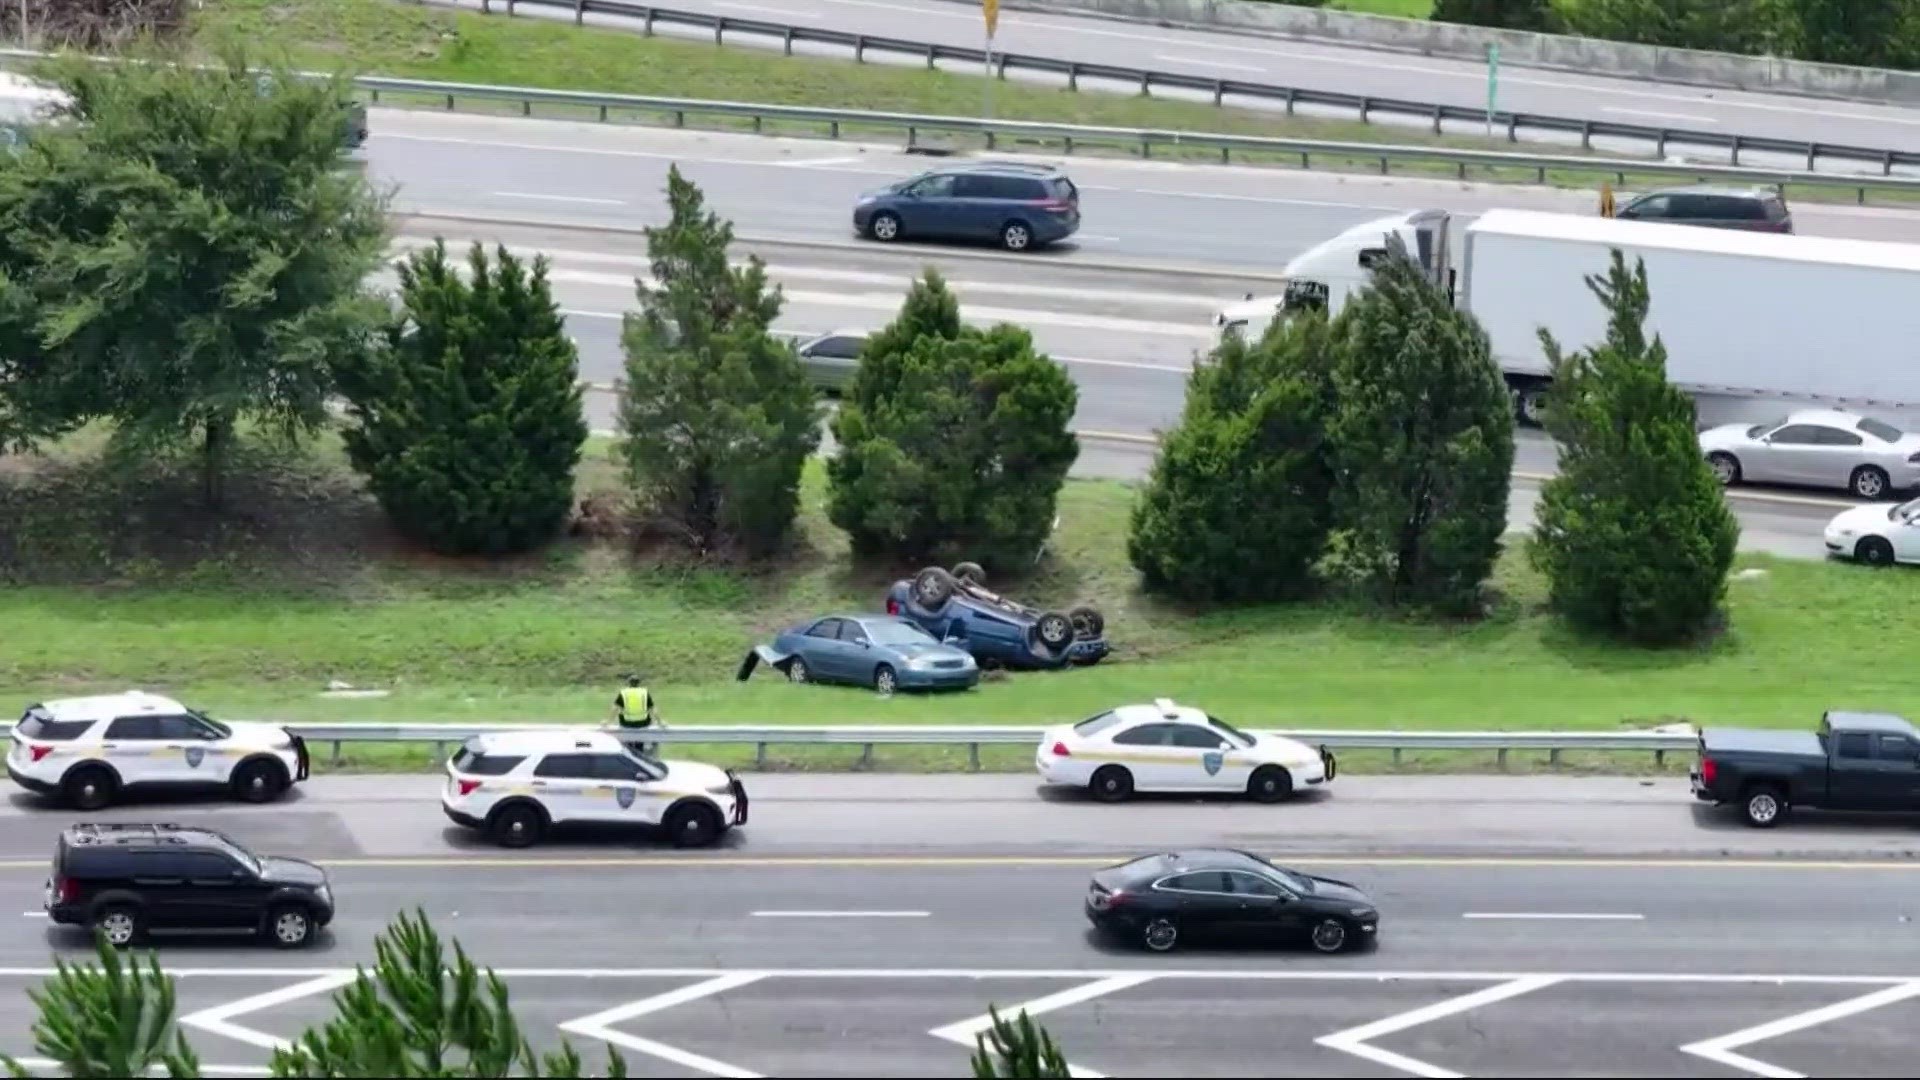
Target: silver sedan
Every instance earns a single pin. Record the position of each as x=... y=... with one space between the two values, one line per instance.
x=831 y=359
x=1817 y=448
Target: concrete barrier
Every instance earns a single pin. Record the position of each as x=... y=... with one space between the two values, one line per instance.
x=1554 y=51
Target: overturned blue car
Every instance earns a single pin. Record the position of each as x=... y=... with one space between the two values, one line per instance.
x=956 y=607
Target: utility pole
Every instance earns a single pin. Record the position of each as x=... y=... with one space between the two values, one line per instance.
x=991 y=10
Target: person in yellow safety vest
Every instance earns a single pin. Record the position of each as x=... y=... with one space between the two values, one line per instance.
x=633 y=705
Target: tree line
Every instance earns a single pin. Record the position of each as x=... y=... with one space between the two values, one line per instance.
x=1870 y=33
x=417 y=1013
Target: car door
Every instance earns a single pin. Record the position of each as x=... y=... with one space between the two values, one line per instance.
x=1146 y=751
x=822 y=650
x=1853 y=781
x=220 y=892
x=1210 y=761
x=191 y=750
x=1831 y=462
x=928 y=208
x=831 y=361
x=1265 y=913
x=1784 y=455
x=625 y=793
x=1206 y=910
x=1904 y=534
x=977 y=205
x=159 y=878
x=564 y=784
x=1892 y=776
x=133 y=745
x=1647 y=208
x=856 y=652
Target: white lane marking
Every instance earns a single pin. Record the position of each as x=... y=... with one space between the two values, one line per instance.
x=1556 y=916
x=607 y=151
x=841 y=913
x=1662 y=978
x=823 y=163
x=967 y=1031
x=765 y=9
x=1197 y=62
x=160 y=1070
x=1721 y=1050
x=1354 y=1040
x=586 y=200
x=218 y=1020
x=33 y=914
x=600 y=1024
x=1131 y=365
x=1689 y=117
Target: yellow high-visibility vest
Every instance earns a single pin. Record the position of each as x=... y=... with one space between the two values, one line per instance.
x=633 y=701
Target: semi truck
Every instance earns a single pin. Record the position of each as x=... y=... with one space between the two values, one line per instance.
x=1762 y=316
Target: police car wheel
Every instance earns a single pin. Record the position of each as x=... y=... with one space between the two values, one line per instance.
x=121 y=924
x=257 y=782
x=1160 y=935
x=1269 y=784
x=516 y=826
x=1111 y=784
x=289 y=926
x=89 y=788
x=694 y=825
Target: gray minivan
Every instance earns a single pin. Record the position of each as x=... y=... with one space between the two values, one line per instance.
x=1758 y=209
x=1019 y=206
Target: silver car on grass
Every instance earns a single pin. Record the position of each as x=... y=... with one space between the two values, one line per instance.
x=1817 y=448
x=831 y=359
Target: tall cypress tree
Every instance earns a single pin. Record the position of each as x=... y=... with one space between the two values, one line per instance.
x=1633 y=534
x=1424 y=431
x=468 y=424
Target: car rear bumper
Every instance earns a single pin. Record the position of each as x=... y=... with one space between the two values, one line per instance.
x=459 y=816
x=31 y=783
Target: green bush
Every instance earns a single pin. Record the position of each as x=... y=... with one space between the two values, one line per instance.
x=1239 y=502
x=468 y=424
x=1633 y=534
x=1536 y=15
x=717 y=416
x=1424 y=442
x=953 y=440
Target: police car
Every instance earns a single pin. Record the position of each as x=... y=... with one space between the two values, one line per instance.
x=1169 y=747
x=516 y=785
x=90 y=749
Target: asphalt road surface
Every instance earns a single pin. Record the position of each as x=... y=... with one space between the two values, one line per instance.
x=1311 y=65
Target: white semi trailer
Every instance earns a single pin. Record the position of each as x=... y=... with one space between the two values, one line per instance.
x=1762 y=316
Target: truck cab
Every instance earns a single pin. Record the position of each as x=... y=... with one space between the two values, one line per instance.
x=1328 y=274
x=1854 y=761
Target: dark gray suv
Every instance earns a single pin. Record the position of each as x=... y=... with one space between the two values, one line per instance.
x=1020 y=207
x=1759 y=209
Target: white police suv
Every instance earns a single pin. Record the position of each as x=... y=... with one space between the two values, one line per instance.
x=516 y=785
x=90 y=749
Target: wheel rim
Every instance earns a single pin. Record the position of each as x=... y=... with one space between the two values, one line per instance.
x=1867 y=485
x=1875 y=552
x=885 y=228
x=1329 y=936
x=118 y=927
x=1723 y=470
x=695 y=826
x=797 y=672
x=1532 y=405
x=884 y=681
x=290 y=927
x=517 y=825
x=1161 y=935
x=1270 y=786
x=90 y=792
x=1763 y=808
x=1016 y=237
x=257 y=781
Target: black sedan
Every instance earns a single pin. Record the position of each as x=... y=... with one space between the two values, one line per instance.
x=1217 y=896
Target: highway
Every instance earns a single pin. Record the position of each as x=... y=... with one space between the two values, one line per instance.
x=861 y=951
x=1308 y=64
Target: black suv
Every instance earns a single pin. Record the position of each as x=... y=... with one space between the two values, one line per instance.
x=125 y=879
x=1760 y=209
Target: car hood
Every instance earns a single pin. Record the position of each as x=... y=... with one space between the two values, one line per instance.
x=255 y=733
x=1871 y=518
x=930 y=650
x=1286 y=749
x=284 y=871
x=693 y=774
x=1339 y=892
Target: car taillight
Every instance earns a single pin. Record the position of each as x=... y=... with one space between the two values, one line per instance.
x=1060 y=750
x=468 y=787
x=67 y=889
x=1708 y=770
x=39 y=752
x=1058 y=206
x=893 y=606
x=1102 y=900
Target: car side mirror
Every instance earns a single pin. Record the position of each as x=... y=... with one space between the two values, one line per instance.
x=863 y=643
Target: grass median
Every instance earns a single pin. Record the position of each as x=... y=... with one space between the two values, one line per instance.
x=388 y=37
x=112 y=584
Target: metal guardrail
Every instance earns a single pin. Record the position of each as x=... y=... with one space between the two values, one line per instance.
x=973 y=737
x=1067 y=136
x=1366 y=106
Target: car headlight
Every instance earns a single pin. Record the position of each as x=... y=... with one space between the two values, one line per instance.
x=865 y=200
x=720 y=789
x=1363 y=913
x=920 y=663
x=1837 y=531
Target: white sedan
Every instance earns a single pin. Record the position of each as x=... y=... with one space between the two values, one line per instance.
x=1878 y=533
x=1169 y=747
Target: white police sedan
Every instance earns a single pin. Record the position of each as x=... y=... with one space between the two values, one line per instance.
x=1173 y=748
x=1878 y=533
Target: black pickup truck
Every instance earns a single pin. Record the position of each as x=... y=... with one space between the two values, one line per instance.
x=1856 y=761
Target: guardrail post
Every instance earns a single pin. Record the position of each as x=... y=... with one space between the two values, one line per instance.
x=336 y=752
x=509 y=9
x=603 y=114
x=1659 y=758
x=1886 y=164
x=1073 y=76
x=1366 y=110
x=1436 y=120
x=1660 y=145
x=1306 y=160
x=1068 y=148
x=526 y=107
x=973 y=757
x=913 y=136
x=1500 y=759
x=1396 y=757
x=579 y=12
x=1219 y=92
x=1860 y=196
x=859 y=48
x=1513 y=127
x=1225 y=156
x=1146 y=84
x=989 y=138
x=1586 y=134
x=866 y=755
x=646 y=26
x=1540 y=175
x=833 y=129
x=757 y=124
x=1000 y=66
x=719 y=28
x=449 y=102
x=679 y=118
x=1291 y=94
x=1146 y=147
x=760 y=757
x=930 y=54
x=1383 y=164
x=1736 y=149
x=786 y=42
x=1553 y=757
x=1463 y=170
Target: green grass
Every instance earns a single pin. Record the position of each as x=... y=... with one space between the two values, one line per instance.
x=252 y=611
x=388 y=37
x=1405 y=9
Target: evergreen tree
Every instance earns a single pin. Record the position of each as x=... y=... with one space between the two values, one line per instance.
x=953 y=440
x=1633 y=534
x=1239 y=503
x=1534 y=15
x=1424 y=438
x=113 y=1020
x=1017 y=1049
x=717 y=416
x=185 y=250
x=468 y=425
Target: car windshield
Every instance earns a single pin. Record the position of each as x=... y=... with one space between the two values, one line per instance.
x=1244 y=738
x=219 y=728
x=241 y=855
x=1882 y=431
x=897 y=633
x=1758 y=430
x=1904 y=511
x=1299 y=883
